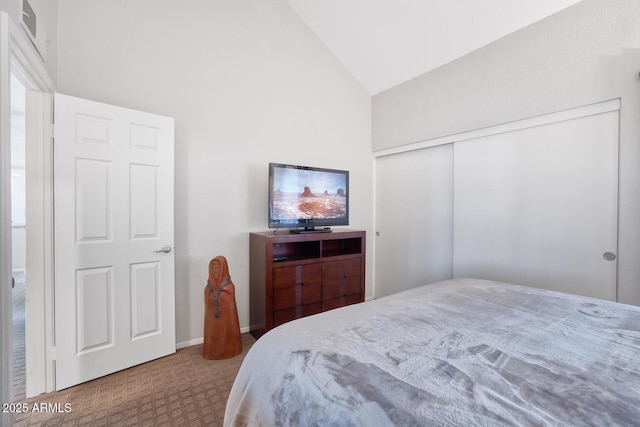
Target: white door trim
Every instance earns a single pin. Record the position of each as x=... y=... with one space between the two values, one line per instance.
x=560 y=116
x=39 y=292
x=6 y=392
x=18 y=56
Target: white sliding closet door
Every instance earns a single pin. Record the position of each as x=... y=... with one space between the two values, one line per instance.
x=538 y=206
x=414 y=214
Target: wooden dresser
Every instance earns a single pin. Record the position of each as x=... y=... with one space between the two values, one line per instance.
x=297 y=275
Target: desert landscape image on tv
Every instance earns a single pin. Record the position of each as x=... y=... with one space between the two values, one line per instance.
x=308 y=194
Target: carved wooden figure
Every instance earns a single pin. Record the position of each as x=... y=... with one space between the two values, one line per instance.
x=221 y=324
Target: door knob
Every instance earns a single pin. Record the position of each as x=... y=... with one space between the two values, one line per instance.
x=165 y=249
x=609 y=256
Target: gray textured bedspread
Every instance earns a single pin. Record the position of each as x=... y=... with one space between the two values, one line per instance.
x=461 y=352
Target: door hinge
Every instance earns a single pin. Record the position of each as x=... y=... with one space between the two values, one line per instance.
x=52 y=131
x=53 y=353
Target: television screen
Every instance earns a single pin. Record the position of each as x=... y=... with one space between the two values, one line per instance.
x=309 y=197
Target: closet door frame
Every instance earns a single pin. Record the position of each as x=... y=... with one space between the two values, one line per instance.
x=380 y=209
x=539 y=206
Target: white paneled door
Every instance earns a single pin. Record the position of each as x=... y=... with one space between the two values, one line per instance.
x=114 y=262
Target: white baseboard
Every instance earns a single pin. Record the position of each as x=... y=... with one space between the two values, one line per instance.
x=200 y=340
x=189 y=343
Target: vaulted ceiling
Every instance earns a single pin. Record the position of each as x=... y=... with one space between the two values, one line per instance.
x=386 y=42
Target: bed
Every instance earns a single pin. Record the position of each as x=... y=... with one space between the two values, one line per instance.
x=458 y=352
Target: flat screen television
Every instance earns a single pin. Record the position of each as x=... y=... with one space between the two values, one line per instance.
x=307 y=199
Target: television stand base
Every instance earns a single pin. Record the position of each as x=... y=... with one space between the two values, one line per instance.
x=308 y=230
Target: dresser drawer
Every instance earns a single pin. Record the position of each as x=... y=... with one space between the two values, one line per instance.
x=341 y=301
x=284 y=277
x=286 y=315
x=341 y=269
x=303 y=294
x=340 y=287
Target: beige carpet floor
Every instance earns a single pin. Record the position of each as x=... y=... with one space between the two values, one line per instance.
x=182 y=389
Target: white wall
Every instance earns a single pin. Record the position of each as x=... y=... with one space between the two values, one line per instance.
x=47 y=27
x=47 y=17
x=587 y=53
x=18 y=249
x=248 y=83
x=18 y=189
x=13 y=8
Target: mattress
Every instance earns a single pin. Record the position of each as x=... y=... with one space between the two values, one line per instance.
x=458 y=352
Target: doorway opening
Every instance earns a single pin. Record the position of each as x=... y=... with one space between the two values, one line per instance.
x=18 y=233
